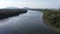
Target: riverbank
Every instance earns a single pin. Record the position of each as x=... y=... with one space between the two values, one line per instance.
x=52 y=19
x=6 y=13
x=51 y=27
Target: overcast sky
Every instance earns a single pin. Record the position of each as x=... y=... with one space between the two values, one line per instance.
x=30 y=3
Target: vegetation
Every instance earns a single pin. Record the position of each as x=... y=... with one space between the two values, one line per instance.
x=5 y=13
x=53 y=17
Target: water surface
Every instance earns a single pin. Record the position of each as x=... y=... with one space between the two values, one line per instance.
x=28 y=23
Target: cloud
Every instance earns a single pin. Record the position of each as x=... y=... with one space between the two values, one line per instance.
x=30 y=3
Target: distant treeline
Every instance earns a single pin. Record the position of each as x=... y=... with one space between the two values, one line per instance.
x=5 y=13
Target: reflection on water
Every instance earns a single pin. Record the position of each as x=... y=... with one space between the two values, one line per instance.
x=30 y=22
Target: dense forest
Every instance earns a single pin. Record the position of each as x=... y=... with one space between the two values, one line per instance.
x=5 y=13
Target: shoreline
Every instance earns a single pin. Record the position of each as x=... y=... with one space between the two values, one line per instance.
x=50 y=26
x=6 y=13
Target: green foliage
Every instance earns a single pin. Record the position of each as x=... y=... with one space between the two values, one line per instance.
x=6 y=13
x=53 y=17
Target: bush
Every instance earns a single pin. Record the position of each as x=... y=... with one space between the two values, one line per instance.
x=53 y=17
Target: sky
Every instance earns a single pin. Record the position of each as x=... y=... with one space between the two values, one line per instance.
x=30 y=3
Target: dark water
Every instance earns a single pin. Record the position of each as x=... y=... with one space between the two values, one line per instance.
x=28 y=23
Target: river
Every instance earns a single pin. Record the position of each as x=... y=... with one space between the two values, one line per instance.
x=27 y=23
